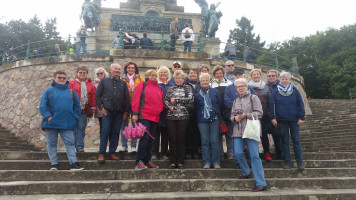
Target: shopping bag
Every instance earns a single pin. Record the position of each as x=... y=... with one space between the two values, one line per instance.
x=253 y=129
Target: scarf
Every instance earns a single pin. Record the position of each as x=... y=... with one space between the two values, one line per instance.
x=83 y=93
x=229 y=76
x=259 y=85
x=208 y=107
x=285 y=91
x=131 y=83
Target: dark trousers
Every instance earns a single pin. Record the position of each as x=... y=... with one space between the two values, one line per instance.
x=110 y=132
x=192 y=137
x=176 y=136
x=145 y=145
x=161 y=133
x=100 y=124
x=264 y=126
x=173 y=42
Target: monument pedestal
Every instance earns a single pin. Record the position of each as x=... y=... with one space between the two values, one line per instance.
x=211 y=46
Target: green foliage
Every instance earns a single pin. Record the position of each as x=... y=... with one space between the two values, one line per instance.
x=16 y=34
x=243 y=36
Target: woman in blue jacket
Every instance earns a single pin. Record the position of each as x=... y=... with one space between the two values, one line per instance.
x=287 y=108
x=207 y=103
x=61 y=110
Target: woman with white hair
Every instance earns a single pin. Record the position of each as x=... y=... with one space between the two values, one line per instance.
x=100 y=74
x=207 y=104
x=244 y=107
x=287 y=108
x=164 y=75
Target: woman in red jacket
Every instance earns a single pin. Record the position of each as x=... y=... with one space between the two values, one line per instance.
x=147 y=104
x=86 y=92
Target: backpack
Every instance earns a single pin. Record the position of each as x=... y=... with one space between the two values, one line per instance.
x=187 y=34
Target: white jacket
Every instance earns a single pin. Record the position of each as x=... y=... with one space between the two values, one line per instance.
x=191 y=35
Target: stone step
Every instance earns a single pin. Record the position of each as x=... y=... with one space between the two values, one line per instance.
x=23 y=155
x=17 y=148
x=271 y=194
x=167 y=185
x=130 y=164
x=129 y=174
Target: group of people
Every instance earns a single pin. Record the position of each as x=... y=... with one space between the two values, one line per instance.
x=181 y=111
x=187 y=35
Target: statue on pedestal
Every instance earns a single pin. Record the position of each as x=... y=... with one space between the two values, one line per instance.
x=210 y=18
x=90 y=13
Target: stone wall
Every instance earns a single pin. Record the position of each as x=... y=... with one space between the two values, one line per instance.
x=22 y=84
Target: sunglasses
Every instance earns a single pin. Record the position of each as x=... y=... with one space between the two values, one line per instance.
x=100 y=73
x=82 y=72
x=271 y=76
x=62 y=78
x=229 y=65
x=176 y=66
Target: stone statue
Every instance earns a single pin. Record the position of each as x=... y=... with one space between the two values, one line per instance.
x=210 y=17
x=90 y=13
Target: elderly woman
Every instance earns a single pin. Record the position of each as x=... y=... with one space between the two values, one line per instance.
x=161 y=132
x=244 y=107
x=132 y=78
x=192 y=140
x=208 y=103
x=220 y=83
x=204 y=69
x=86 y=92
x=287 y=108
x=262 y=91
x=100 y=74
x=177 y=100
x=147 y=105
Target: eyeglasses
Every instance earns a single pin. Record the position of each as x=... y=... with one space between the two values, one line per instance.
x=61 y=77
x=100 y=73
x=176 y=66
x=82 y=72
x=240 y=87
x=229 y=65
x=271 y=76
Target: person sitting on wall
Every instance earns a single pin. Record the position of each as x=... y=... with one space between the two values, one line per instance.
x=146 y=42
x=129 y=40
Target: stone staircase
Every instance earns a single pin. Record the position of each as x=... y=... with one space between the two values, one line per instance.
x=329 y=154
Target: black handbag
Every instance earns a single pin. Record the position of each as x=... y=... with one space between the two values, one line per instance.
x=277 y=131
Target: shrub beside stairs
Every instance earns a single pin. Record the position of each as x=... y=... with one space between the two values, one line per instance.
x=329 y=150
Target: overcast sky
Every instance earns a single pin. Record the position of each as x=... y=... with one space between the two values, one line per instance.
x=274 y=20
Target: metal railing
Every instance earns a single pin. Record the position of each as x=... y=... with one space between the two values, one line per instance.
x=352 y=90
x=23 y=52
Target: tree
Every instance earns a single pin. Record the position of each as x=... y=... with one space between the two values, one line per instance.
x=243 y=36
x=50 y=29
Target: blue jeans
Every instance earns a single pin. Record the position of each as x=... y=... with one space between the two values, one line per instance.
x=255 y=160
x=144 y=151
x=173 y=43
x=188 y=45
x=209 y=134
x=228 y=140
x=79 y=132
x=110 y=132
x=52 y=141
x=123 y=139
x=293 y=128
x=79 y=46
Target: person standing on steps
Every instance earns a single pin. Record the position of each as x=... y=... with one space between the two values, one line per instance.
x=60 y=108
x=173 y=28
x=187 y=37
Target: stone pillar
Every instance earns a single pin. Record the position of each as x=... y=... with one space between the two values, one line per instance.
x=91 y=43
x=211 y=46
x=294 y=60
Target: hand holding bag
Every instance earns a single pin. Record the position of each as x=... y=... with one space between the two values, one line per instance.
x=253 y=129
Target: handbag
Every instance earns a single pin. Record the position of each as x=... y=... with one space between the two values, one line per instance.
x=223 y=127
x=253 y=129
x=277 y=131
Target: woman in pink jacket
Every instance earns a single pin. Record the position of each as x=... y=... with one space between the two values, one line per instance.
x=147 y=104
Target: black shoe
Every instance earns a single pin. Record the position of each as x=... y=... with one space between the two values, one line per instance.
x=180 y=166
x=76 y=166
x=286 y=166
x=259 y=188
x=54 y=167
x=301 y=166
x=246 y=177
x=172 y=166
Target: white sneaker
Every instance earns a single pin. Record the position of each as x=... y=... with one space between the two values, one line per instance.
x=133 y=149
x=123 y=149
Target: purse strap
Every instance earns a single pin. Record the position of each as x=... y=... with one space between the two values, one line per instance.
x=264 y=103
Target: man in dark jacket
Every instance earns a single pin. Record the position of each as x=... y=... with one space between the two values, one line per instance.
x=113 y=99
x=146 y=42
x=61 y=110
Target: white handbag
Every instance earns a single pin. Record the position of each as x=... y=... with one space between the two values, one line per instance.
x=253 y=129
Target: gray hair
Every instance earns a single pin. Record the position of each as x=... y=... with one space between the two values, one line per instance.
x=115 y=64
x=285 y=74
x=273 y=71
x=204 y=75
x=241 y=80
